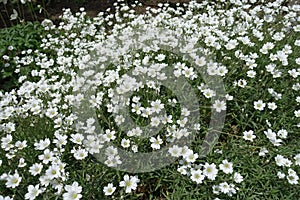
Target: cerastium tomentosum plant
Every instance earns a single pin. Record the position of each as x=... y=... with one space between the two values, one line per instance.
x=196 y=102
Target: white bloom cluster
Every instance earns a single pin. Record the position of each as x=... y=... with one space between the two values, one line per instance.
x=80 y=55
x=291 y=175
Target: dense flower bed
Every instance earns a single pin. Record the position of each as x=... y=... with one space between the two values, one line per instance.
x=198 y=90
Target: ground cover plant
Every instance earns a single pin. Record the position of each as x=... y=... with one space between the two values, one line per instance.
x=188 y=101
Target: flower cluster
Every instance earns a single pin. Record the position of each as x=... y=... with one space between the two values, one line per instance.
x=104 y=91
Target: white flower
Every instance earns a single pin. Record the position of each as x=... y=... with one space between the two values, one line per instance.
x=136 y=108
x=60 y=140
x=218 y=151
x=190 y=156
x=155 y=121
x=110 y=135
x=168 y=119
x=297 y=113
x=201 y=61
x=188 y=72
x=297 y=159
x=282 y=133
x=125 y=143
x=6 y=142
x=242 y=83
x=275 y=141
x=219 y=105
x=35 y=169
x=184 y=111
x=177 y=73
x=33 y=192
x=79 y=153
x=231 y=44
x=111 y=151
x=226 y=167
x=109 y=189
x=24 y=1
x=156 y=142
x=222 y=71
x=21 y=145
x=237 y=177
x=197 y=176
x=5 y=198
x=130 y=183
x=72 y=192
x=291 y=171
x=134 y=148
x=251 y=73
x=137 y=131
x=292 y=177
x=175 y=151
x=208 y=93
x=13 y=181
x=249 y=135
x=210 y=171
x=14 y=16
x=47 y=23
x=22 y=163
x=51 y=112
x=280 y=175
x=228 y=97
x=294 y=73
x=113 y=161
x=216 y=189
x=281 y=161
x=77 y=138
x=119 y=119
x=259 y=105
x=44 y=180
x=157 y=106
x=182 y=170
x=272 y=106
x=10 y=127
x=42 y=144
x=53 y=172
x=271 y=135
x=160 y=57
x=47 y=156
x=197 y=127
x=224 y=187
x=182 y=122
x=287 y=162
x=92 y=144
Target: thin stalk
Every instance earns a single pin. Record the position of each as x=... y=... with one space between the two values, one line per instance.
x=8 y=16
x=28 y=9
x=46 y=15
x=33 y=14
x=2 y=18
x=21 y=11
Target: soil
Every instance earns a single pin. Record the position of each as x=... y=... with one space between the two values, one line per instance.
x=53 y=9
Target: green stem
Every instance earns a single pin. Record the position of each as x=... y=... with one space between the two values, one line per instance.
x=33 y=15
